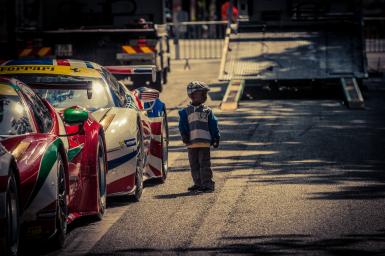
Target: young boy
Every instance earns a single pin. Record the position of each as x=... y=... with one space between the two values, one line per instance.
x=198 y=127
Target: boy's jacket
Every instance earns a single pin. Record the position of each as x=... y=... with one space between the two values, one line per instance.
x=198 y=124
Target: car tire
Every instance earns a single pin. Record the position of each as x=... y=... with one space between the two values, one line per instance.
x=12 y=216
x=102 y=180
x=139 y=165
x=62 y=208
x=164 y=145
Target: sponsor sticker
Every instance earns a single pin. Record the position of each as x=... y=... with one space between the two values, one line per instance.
x=48 y=69
x=6 y=69
x=130 y=142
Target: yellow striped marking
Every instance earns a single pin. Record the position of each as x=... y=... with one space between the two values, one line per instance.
x=44 y=51
x=233 y=95
x=128 y=49
x=25 y=52
x=146 y=49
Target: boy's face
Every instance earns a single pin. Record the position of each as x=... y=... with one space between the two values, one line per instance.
x=198 y=97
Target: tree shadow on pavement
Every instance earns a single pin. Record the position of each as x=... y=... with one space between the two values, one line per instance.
x=298 y=244
x=318 y=143
x=280 y=244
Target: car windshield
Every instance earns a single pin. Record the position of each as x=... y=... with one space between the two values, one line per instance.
x=61 y=93
x=13 y=115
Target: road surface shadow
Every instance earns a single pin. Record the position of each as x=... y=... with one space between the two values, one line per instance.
x=152 y=183
x=119 y=201
x=293 y=90
x=217 y=91
x=298 y=244
x=280 y=244
x=177 y=195
x=312 y=141
x=43 y=247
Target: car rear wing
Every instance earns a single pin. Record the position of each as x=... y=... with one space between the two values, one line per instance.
x=63 y=86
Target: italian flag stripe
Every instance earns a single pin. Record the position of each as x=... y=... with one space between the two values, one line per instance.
x=46 y=164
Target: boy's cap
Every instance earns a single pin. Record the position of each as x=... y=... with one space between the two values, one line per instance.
x=195 y=86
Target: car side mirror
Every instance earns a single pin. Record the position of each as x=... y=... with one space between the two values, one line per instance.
x=74 y=116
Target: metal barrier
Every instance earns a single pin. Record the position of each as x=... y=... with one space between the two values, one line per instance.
x=197 y=40
x=374 y=34
x=205 y=39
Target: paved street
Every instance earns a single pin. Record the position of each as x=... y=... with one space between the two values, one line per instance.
x=294 y=176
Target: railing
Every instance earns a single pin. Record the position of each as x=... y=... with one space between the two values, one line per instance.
x=205 y=39
x=374 y=34
x=197 y=40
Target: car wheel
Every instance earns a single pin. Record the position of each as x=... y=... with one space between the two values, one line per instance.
x=62 y=210
x=139 y=165
x=164 y=145
x=102 y=180
x=12 y=216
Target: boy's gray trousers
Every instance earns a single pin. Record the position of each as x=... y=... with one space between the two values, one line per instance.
x=201 y=166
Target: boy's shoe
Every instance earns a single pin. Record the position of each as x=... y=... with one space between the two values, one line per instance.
x=206 y=189
x=194 y=188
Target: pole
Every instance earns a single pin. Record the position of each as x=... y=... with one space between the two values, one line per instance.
x=230 y=13
x=192 y=10
x=176 y=27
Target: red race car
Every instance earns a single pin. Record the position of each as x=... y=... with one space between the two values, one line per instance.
x=60 y=158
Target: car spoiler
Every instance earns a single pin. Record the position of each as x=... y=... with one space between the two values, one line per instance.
x=133 y=70
x=81 y=85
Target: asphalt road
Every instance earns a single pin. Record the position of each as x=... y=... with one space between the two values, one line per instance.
x=297 y=175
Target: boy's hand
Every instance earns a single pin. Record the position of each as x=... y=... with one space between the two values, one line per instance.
x=185 y=140
x=216 y=143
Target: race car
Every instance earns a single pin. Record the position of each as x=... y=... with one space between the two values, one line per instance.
x=65 y=83
x=58 y=168
x=153 y=114
x=152 y=111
